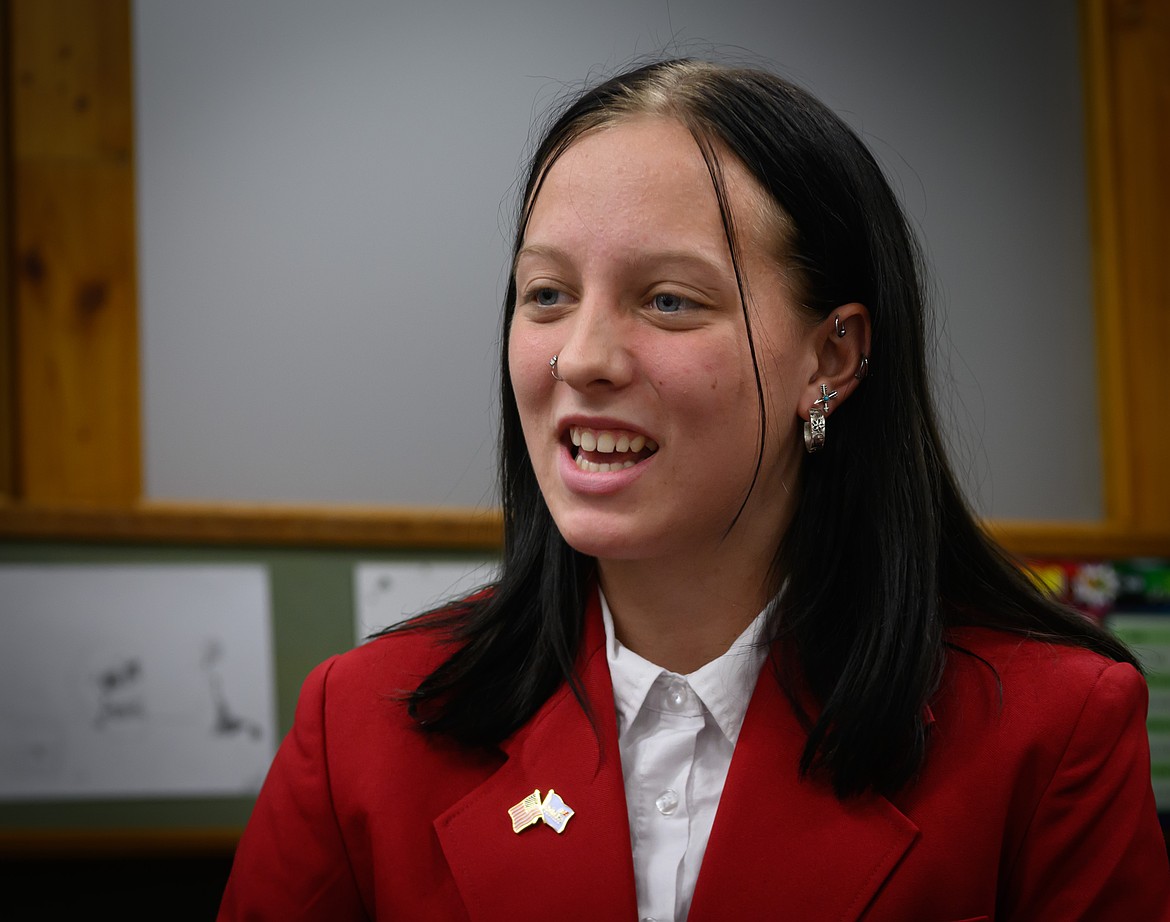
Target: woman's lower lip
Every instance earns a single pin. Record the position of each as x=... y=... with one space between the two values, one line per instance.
x=598 y=483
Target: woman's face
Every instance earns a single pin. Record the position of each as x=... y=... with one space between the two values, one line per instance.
x=647 y=447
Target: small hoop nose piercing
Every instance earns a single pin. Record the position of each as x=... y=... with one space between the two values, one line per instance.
x=552 y=367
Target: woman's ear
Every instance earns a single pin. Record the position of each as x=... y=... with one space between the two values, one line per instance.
x=842 y=344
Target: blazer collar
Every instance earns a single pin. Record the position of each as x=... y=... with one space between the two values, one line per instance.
x=786 y=843
x=587 y=871
x=780 y=843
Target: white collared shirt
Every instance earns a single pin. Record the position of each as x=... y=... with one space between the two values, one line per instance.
x=676 y=735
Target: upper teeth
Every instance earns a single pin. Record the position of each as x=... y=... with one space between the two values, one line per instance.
x=608 y=441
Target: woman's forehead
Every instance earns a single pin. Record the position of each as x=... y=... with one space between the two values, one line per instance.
x=646 y=168
x=643 y=169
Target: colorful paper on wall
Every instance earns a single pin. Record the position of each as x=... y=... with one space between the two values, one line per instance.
x=1149 y=637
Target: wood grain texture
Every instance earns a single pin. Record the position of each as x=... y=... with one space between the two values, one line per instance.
x=77 y=419
x=277 y=526
x=8 y=487
x=1127 y=62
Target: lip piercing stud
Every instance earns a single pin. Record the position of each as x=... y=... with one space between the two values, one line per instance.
x=552 y=367
x=838 y=326
x=825 y=397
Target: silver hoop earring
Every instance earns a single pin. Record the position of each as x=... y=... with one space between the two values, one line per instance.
x=552 y=367
x=862 y=369
x=838 y=326
x=814 y=431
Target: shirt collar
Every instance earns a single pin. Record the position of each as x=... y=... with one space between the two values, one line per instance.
x=724 y=685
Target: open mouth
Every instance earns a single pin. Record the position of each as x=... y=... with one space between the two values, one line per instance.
x=604 y=450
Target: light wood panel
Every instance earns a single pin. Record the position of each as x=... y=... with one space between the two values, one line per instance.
x=7 y=338
x=1127 y=58
x=77 y=426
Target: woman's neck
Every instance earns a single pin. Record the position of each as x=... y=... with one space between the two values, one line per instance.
x=676 y=619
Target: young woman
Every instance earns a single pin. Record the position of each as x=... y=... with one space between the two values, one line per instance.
x=749 y=655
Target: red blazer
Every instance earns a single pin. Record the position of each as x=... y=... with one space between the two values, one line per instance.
x=1032 y=806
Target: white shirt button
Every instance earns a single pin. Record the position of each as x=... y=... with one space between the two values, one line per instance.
x=667 y=802
x=676 y=694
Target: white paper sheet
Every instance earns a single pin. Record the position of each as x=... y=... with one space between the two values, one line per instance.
x=386 y=593
x=134 y=681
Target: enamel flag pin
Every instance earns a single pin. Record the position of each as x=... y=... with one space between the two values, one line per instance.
x=554 y=811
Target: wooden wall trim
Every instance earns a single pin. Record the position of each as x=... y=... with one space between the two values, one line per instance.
x=8 y=353
x=1078 y=540
x=1126 y=46
x=441 y=528
x=75 y=262
x=403 y=528
x=1101 y=165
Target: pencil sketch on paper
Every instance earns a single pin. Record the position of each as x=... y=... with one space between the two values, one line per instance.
x=109 y=677
x=132 y=681
x=120 y=694
x=227 y=721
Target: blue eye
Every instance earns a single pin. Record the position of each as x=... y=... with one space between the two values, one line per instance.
x=668 y=303
x=546 y=297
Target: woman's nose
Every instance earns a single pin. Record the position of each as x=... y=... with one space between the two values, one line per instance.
x=595 y=351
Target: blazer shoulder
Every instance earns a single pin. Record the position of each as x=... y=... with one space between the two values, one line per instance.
x=1038 y=680
x=1011 y=653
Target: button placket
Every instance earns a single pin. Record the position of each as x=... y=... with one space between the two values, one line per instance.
x=661 y=816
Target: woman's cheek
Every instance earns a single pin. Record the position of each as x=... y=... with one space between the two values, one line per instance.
x=529 y=370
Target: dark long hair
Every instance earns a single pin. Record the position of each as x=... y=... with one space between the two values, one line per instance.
x=882 y=555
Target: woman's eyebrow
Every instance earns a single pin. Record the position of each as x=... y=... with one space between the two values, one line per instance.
x=541 y=250
x=693 y=260
x=681 y=259
x=541 y=255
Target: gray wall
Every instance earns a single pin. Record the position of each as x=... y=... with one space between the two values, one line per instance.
x=325 y=188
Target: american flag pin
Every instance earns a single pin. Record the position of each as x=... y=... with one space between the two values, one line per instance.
x=531 y=810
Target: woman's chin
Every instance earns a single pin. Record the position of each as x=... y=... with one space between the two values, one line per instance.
x=603 y=540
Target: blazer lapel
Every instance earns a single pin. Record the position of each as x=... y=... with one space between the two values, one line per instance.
x=785 y=845
x=585 y=872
